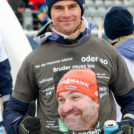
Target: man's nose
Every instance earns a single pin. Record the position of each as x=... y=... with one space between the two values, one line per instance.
x=66 y=12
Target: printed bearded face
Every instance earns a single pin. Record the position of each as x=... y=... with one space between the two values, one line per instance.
x=77 y=110
x=66 y=16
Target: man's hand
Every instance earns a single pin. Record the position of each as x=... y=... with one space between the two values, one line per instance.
x=29 y=125
x=124 y=128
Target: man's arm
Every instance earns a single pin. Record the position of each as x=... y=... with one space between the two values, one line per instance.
x=13 y=114
x=5 y=78
x=127 y=105
x=5 y=74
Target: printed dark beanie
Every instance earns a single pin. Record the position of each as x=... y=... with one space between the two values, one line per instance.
x=118 y=22
x=49 y=4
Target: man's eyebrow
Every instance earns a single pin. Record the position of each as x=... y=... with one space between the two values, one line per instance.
x=73 y=92
x=73 y=4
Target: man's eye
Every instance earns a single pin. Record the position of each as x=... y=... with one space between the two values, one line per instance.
x=73 y=6
x=60 y=100
x=57 y=8
x=75 y=97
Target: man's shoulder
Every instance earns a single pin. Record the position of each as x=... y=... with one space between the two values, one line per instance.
x=36 y=54
x=94 y=38
x=99 y=42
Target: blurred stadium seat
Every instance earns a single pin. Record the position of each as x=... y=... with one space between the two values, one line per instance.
x=108 y=3
x=96 y=9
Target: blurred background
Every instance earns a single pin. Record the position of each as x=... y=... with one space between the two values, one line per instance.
x=32 y=16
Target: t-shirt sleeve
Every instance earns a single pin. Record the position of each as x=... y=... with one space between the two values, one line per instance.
x=25 y=89
x=121 y=82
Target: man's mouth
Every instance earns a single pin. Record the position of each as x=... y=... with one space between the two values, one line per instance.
x=66 y=21
x=71 y=117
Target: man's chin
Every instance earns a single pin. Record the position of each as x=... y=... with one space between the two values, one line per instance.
x=73 y=125
x=67 y=31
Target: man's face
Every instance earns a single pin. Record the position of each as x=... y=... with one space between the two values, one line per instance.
x=77 y=110
x=66 y=16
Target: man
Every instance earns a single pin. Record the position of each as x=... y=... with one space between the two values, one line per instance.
x=5 y=75
x=67 y=44
x=119 y=27
x=18 y=7
x=77 y=96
